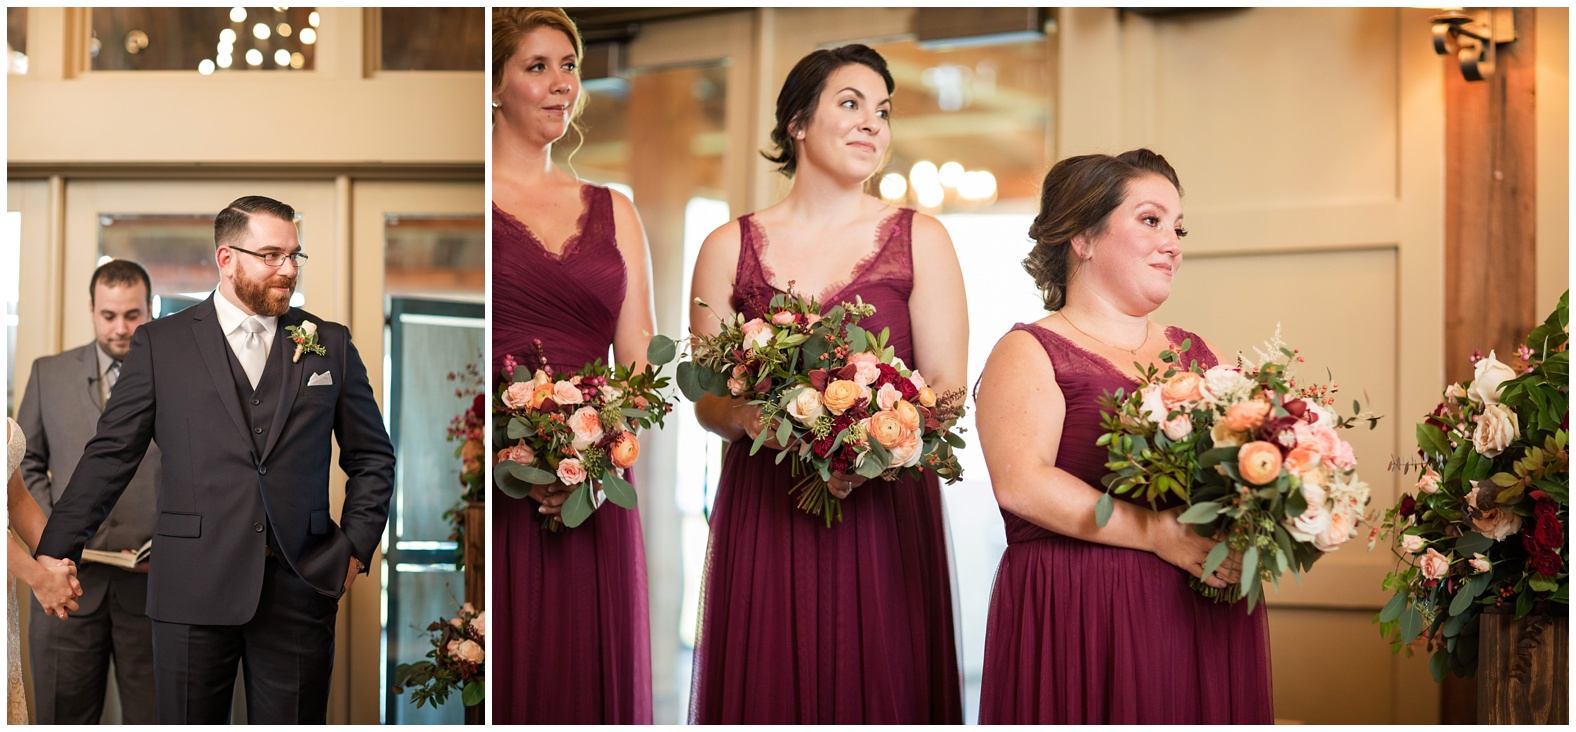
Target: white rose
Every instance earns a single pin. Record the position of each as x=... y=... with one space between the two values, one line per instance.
x=1153 y=407
x=1342 y=525
x=309 y=328
x=1487 y=378
x=1454 y=391
x=1497 y=427
x=805 y=406
x=1313 y=522
x=1412 y=543
x=1224 y=437
x=1223 y=384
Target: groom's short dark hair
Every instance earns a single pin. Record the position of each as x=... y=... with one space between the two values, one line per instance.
x=231 y=223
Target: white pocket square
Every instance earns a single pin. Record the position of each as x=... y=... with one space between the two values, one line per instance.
x=323 y=379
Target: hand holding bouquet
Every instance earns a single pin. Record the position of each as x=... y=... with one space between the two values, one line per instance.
x=1258 y=461
x=578 y=430
x=835 y=395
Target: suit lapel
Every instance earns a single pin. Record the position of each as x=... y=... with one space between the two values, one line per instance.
x=211 y=344
x=292 y=373
x=90 y=376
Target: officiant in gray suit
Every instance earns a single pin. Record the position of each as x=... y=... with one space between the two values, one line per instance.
x=59 y=413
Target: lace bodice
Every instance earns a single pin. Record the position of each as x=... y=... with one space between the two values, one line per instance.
x=15 y=446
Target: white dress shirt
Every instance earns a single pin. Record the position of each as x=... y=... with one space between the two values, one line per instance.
x=230 y=318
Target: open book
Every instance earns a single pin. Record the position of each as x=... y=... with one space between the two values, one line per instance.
x=119 y=559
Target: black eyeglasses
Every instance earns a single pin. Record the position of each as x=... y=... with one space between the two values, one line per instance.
x=275 y=259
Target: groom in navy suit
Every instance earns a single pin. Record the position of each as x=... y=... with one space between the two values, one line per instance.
x=244 y=396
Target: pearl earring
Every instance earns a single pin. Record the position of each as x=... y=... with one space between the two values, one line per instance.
x=496 y=104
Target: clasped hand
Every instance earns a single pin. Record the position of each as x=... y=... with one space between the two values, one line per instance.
x=750 y=419
x=56 y=587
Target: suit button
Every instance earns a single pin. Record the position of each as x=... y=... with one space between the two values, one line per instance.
x=262 y=470
x=258 y=430
x=258 y=527
x=256 y=402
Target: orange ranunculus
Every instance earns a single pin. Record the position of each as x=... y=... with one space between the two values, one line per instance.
x=1182 y=388
x=624 y=450
x=927 y=397
x=841 y=394
x=907 y=414
x=1246 y=416
x=887 y=429
x=540 y=394
x=1259 y=462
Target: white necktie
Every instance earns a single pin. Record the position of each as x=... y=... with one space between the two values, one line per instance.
x=254 y=351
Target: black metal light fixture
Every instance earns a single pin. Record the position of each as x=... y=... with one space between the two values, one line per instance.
x=1473 y=37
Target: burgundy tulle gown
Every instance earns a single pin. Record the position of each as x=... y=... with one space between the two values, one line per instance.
x=1085 y=633
x=804 y=624
x=572 y=639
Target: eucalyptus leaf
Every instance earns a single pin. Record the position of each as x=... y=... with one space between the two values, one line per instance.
x=1453 y=625
x=1200 y=513
x=661 y=350
x=618 y=490
x=784 y=430
x=529 y=474
x=1393 y=608
x=1103 y=509
x=760 y=439
x=689 y=381
x=511 y=486
x=1471 y=543
x=578 y=507
x=1250 y=564
x=518 y=428
x=1411 y=625
x=1438 y=666
x=1217 y=555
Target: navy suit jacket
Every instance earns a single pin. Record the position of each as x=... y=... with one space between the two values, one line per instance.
x=216 y=491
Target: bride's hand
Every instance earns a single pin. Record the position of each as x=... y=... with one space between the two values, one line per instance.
x=56 y=586
x=749 y=418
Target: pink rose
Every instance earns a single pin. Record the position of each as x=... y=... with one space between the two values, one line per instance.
x=570 y=472
x=566 y=393
x=1480 y=564
x=470 y=652
x=917 y=380
x=736 y=387
x=518 y=453
x=782 y=317
x=479 y=624
x=1434 y=565
x=866 y=369
x=453 y=648
x=456 y=622
x=587 y=426
x=1412 y=543
x=1429 y=482
x=518 y=395
x=1314 y=521
x=757 y=334
x=905 y=454
x=1179 y=428
x=812 y=318
x=1342 y=524
x=888 y=396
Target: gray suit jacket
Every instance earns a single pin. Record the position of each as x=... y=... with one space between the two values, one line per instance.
x=59 y=414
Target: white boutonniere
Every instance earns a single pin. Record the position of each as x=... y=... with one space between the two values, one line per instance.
x=305 y=337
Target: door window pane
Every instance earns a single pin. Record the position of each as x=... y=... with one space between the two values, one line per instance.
x=16 y=40
x=440 y=257
x=207 y=40
x=433 y=39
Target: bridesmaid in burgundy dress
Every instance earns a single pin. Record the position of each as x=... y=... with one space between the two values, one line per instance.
x=800 y=623
x=572 y=643
x=1090 y=625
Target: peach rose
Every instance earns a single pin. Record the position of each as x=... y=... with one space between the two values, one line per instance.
x=518 y=395
x=887 y=396
x=865 y=367
x=587 y=426
x=1434 y=565
x=479 y=624
x=757 y=334
x=1497 y=523
x=927 y=397
x=1259 y=462
x=1428 y=482
x=1182 y=389
x=1342 y=523
x=806 y=406
x=570 y=472
x=1245 y=416
x=1412 y=543
x=782 y=317
x=887 y=429
x=517 y=453
x=471 y=455
x=624 y=450
x=1480 y=564
x=841 y=394
x=1497 y=427
x=1314 y=520
x=905 y=454
x=566 y=393
x=1179 y=428
x=907 y=414
x=470 y=652
x=812 y=318
x=1302 y=460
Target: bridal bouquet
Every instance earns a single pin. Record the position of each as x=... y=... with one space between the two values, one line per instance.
x=459 y=660
x=577 y=429
x=1257 y=459
x=1486 y=527
x=833 y=392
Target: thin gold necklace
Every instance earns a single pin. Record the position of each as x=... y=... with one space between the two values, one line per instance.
x=1133 y=350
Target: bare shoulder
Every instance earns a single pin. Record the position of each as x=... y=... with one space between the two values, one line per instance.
x=1018 y=350
x=928 y=233
x=722 y=242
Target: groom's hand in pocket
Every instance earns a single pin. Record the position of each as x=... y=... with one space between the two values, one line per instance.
x=350 y=574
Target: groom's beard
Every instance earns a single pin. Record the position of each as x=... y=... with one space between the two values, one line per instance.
x=259 y=298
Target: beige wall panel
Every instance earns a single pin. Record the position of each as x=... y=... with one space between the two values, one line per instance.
x=1302 y=110
x=1331 y=667
x=1554 y=156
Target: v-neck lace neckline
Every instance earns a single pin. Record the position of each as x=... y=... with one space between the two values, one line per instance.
x=881 y=239
x=1100 y=358
x=571 y=244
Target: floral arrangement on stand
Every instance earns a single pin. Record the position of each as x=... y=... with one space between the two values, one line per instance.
x=1486 y=527
x=459 y=661
x=466 y=428
x=577 y=429
x=1257 y=459
x=835 y=394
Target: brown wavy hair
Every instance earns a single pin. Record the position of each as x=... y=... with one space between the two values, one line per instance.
x=1077 y=197
x=802 y=89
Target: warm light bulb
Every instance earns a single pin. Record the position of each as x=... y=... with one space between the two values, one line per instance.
x=308 y=36
x=312 y=19
x=951 y=174
x=923 y=174
x=205 y=67
x=254 y=57
x=283 y=29
x=297 y=60
x=893 y=186
x=260 y=31
x=226 y=60
x=227 y=36
x=281 y=57
x=237 y=15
